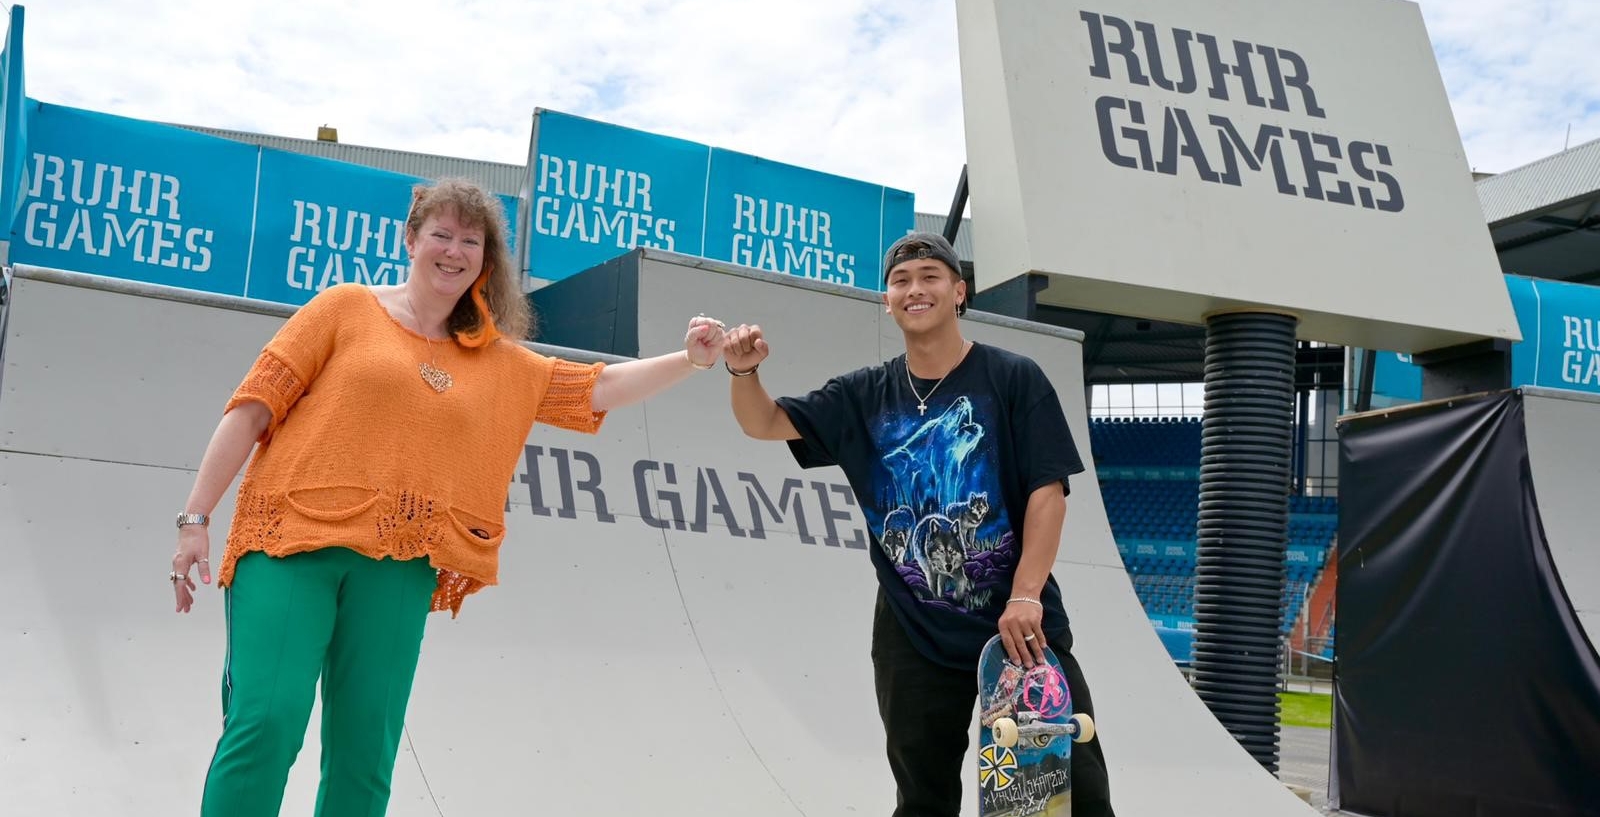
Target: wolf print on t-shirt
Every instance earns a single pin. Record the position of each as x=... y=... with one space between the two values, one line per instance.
x=950 y=542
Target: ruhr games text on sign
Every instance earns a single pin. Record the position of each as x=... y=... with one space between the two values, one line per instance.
x=694 y=498
x=1292 y=142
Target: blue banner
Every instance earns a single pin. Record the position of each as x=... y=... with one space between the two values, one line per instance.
x=1171 y=622
x=1148 y=550
x=1525 y=303
x=600 y=190
x=783 y=219
x=1560 y=349
x=1566 y=319
x=136 y=200
x=1395 y=379
x=320 y=223
x=14 y=107
x=1177 y=635
x=165 y=205
x=148 y=202
x=1147 y=473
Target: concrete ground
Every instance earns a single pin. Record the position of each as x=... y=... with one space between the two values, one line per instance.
x=1303 y=761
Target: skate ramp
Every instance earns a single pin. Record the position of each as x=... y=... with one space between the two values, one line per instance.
x=1466 y=567
x=1564 y=456
x=682 y=624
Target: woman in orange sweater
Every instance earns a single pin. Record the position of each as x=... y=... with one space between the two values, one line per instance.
x=389 y=421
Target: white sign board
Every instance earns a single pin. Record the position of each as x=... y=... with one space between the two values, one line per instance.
x=1170 y=160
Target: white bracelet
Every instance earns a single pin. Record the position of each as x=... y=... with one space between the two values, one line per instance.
x=1024 y=599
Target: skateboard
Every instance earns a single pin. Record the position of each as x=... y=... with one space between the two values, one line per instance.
x=1025 y=736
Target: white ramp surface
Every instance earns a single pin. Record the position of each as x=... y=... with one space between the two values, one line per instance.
x=1564 y=455
x=682 y=623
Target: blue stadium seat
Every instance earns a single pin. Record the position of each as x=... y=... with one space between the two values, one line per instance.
x=1166 y=510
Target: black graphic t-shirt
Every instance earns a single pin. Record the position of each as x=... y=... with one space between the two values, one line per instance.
x=944 y=490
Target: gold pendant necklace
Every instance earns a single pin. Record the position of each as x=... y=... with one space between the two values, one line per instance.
x=434 y=376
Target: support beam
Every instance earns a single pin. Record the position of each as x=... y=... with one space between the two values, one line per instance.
x=1469 y=368
x=952 y=221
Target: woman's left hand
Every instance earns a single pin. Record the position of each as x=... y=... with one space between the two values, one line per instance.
x=703 y=341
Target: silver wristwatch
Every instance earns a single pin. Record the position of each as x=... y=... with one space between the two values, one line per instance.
x=193 y=519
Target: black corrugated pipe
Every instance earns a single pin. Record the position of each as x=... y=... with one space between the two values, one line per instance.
x=1245 y=454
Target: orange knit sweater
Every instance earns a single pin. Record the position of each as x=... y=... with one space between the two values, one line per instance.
x=361 y=453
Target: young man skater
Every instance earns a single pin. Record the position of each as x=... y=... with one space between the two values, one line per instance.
x=958 y=454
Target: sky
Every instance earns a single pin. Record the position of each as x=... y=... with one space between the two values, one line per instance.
x=868 y=89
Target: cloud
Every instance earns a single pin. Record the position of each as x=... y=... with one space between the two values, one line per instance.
x=869 y=90
x=1516 y=75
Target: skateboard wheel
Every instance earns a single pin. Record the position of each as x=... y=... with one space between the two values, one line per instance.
x=1005 y=732
x=1085 y=728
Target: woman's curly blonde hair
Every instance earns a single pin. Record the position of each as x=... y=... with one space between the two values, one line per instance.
x=496 y=305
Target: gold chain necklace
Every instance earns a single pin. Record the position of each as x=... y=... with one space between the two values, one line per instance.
x=434 y=376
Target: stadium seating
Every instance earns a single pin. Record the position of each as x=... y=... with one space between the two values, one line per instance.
x=1149 y=478
x=1146 y=441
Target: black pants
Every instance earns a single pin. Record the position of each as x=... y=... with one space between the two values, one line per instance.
x=927 y=712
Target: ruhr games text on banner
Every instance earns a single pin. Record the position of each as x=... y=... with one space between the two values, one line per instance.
x=1560 y=349
x=135 y=200
x=600 y=190
x=771 y=216
x=125 y=198
x=321 y=222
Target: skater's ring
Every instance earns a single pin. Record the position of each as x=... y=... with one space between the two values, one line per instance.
x=1028 y=637
x=205 y=561
x=175 y=577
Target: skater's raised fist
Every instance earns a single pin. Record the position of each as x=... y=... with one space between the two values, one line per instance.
x=744 y=348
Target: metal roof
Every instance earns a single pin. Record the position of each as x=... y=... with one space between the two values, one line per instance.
x=1548 y=183
x=930 y=223
x=496 y=176
x=1544 y=217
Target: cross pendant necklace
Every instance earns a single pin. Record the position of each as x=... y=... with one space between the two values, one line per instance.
x=922 y=402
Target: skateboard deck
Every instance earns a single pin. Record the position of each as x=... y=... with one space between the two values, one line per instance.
x=1025 y=736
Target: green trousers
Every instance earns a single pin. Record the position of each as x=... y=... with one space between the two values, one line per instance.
x=353 y=621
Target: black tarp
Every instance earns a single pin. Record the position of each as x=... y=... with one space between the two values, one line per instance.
x=1464 y=685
